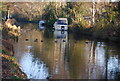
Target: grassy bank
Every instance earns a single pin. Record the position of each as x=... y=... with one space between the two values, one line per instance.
x=10 y=67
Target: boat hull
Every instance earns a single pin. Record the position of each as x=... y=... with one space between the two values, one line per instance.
x=61 y=27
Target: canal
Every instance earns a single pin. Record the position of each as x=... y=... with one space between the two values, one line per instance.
x=59 y=55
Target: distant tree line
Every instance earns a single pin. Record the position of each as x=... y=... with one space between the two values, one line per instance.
x=92 y=18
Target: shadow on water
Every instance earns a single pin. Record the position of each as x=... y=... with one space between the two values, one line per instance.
x=61 y=56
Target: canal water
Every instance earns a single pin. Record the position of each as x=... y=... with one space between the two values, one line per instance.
x=61 y=55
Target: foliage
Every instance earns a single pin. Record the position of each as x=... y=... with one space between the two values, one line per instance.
x=79 y=14
x=49 y=14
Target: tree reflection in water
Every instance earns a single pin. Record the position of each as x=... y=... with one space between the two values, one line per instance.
x=66 y=57
x=34 y=68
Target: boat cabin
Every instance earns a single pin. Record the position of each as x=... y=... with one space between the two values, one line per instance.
x=61 y=24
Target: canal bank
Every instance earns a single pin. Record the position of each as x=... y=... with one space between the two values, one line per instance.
x=10 y=67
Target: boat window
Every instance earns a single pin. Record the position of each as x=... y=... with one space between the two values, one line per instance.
x=62 y=22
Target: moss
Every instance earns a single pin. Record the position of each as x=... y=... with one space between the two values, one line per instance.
x=17 y=78
x=4 y=51
x=12 y=69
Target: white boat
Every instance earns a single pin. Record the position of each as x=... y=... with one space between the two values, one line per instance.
x=61 y=24
x=42 y=24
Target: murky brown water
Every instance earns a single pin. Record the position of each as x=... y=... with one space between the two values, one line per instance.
x=59 y=55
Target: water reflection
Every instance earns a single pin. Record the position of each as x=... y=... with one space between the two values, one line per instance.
x=34 y=68
x=113 y=67
x=102 y=63
x=60 y=34
x=60 y=67
x=25 y=51
x=96 y=60
x=65 y=57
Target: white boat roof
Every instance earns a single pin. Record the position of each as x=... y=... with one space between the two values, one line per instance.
x=62 y=18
